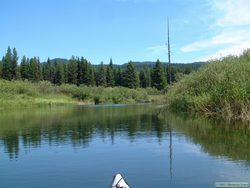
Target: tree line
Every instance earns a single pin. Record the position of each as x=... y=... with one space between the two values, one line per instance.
x=80 y=71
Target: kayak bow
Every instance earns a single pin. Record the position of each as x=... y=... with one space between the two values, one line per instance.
x=119 y=182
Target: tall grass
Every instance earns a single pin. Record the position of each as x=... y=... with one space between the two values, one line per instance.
x=24 y=93
x=221 y=88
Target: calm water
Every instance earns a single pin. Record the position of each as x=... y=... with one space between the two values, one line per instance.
x=85 y=146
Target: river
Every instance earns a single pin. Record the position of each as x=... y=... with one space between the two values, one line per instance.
x=84 y=146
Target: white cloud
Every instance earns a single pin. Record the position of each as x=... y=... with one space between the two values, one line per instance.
x=235 y=12
x=227 y=37
x=232 y=50
x=233 y=24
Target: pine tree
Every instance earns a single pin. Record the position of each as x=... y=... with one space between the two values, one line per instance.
x=142 y=76
x=7 y=65
x=110 y=74
x=32 y=69
x=80 y=71
x=118 y=77
x=65 y=70
x=173 y=74
x=101 y=76
x=59 y=73
x=85 y=72
x=147 y=73
x=89 y=80
x=73 y=71
x=131 y=79
x=39 y=75
x=24 y=69
x=13 y=64
x=158 y=76
x=46 y=70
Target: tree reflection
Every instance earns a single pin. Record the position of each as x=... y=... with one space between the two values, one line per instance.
x=217 y=138
x=76 y=126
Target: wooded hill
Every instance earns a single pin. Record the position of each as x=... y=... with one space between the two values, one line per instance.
x=80 y=71
x=184 y=67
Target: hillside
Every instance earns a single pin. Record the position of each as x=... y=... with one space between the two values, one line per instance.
x=220 y=88
x=150 y=64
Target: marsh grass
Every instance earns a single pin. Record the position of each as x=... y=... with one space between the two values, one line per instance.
x=221 y=88
x=27 y=94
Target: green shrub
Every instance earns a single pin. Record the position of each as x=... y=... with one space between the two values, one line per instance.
x=222 y=87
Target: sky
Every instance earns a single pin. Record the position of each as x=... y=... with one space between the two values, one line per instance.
x=125 y=30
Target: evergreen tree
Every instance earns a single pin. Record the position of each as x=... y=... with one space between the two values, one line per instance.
x=59 y=73
x=110 y=74
x=101 y=76
x=49 y=71
x=147 y=73
x=85 y=72
x=39 y=75
x=13 y=64
x=32 y=69
x=24 y=68
x=73 y=71
x=89 y=80
x=7 y=65
x=118 y=77
x=65 y=70
x=158 y=76
x=142 y=76
x=173 y=74
x=80 y=71
x=131 y=79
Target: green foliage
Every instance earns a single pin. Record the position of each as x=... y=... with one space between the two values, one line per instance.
x=73 y=71
x=34 y=70
x=48 y=71
x=59 y=73
x=118 y=77
x=7 y=65
x=110 y=75
x=222 y=88
x=28 y=93
x=158 y=76
x=24 y=68
x=79 y=71
x=131 y=79
x=13 y=65
x=101 y=76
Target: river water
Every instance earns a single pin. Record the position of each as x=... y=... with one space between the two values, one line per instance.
x=84 y=146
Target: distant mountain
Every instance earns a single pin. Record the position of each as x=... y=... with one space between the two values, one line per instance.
x=150 y=64
x=63 y=60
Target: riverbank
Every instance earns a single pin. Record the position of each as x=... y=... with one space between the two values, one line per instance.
x=219 y=89
x=18 y=94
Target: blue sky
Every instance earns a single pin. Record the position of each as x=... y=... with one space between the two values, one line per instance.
x=125 y=29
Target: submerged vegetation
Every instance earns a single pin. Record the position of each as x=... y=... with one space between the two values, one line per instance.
x=221 y=88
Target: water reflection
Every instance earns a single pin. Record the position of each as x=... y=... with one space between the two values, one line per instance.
x=217 y=138
x=77 y=126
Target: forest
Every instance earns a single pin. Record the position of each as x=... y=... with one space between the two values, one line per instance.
x=79 y=71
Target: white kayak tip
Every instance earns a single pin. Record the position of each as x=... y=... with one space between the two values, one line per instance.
x=119 y=182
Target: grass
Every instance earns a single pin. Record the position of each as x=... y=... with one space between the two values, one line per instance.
x=221 y=88
x=26 y=94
